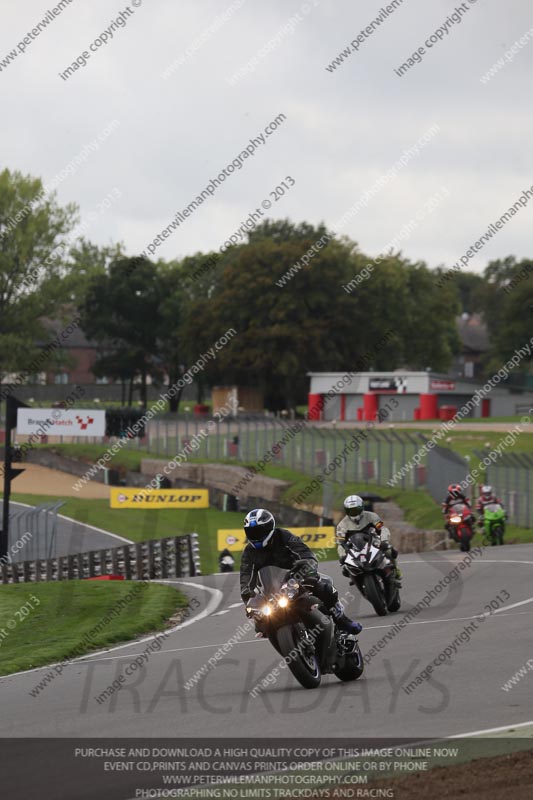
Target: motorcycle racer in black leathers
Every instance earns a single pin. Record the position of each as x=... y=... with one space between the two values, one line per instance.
x=272 y=546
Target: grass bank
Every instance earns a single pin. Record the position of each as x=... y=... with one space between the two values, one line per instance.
x=48 y=622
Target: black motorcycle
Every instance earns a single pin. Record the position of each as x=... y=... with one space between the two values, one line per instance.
x=371 y=571
x=297 y=626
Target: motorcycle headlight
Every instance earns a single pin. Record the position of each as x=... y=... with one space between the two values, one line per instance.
x=266 y=610
x=283 y=602
x=455 y=518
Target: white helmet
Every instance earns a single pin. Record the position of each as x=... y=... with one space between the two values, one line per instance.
x=486 y=491
x=259 y=526
x=354 y=506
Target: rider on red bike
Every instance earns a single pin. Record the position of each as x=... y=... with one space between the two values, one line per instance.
x=454 y=496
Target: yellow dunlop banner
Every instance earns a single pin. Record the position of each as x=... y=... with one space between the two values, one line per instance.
x=316 y=538
x=159 y=498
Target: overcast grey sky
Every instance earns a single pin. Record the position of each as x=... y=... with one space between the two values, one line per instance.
x=343 y=130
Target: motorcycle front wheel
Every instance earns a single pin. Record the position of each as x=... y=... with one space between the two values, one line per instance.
x=375 y=595
x=302 y=663
x=395 y=602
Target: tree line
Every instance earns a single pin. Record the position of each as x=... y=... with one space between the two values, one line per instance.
x=150 y=320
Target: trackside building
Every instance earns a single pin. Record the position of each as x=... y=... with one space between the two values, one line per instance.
x=359 y=396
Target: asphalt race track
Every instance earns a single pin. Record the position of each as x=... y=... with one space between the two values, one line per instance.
x=72 y=536
x=460 y=697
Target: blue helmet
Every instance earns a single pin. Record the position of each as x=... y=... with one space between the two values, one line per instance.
x=259 y=525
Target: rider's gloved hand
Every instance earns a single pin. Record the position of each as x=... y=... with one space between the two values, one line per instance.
x=303 y=569
x=384 y=546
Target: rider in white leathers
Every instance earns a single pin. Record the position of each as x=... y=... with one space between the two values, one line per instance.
x=358 y=520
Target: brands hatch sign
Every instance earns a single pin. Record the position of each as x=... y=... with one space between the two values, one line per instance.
x=60 y=422
x=159 y=498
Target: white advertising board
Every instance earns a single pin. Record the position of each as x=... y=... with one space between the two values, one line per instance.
x=60 y=422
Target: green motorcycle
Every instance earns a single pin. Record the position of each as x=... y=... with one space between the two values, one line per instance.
x=493 y=524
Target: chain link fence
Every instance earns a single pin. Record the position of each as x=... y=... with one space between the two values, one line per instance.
x=444 y=467
x=33 y=531
x=362 y=455
x=512 y=481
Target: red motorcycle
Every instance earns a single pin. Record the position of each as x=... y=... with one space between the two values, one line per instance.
x=460 y=525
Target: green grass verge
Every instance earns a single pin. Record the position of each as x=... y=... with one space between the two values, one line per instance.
x=127 y=458
x=60 y=614
x=465 y=442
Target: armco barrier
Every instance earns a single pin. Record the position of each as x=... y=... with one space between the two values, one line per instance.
x=171 y=557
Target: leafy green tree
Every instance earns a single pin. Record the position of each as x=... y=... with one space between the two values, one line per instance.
x=470 y=286
x=281 y=332
x=172 y=354
x=84 y=261
x=326 y=315
x=120 y=312
x=33 y=229
x=429 y=331
x=508 y=310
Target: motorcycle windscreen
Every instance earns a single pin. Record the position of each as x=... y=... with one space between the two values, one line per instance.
x=271 y=579
x=493 y=508
x=459 y=507
x=360 y=540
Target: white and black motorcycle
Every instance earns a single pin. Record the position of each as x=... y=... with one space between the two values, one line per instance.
x=371 y=571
